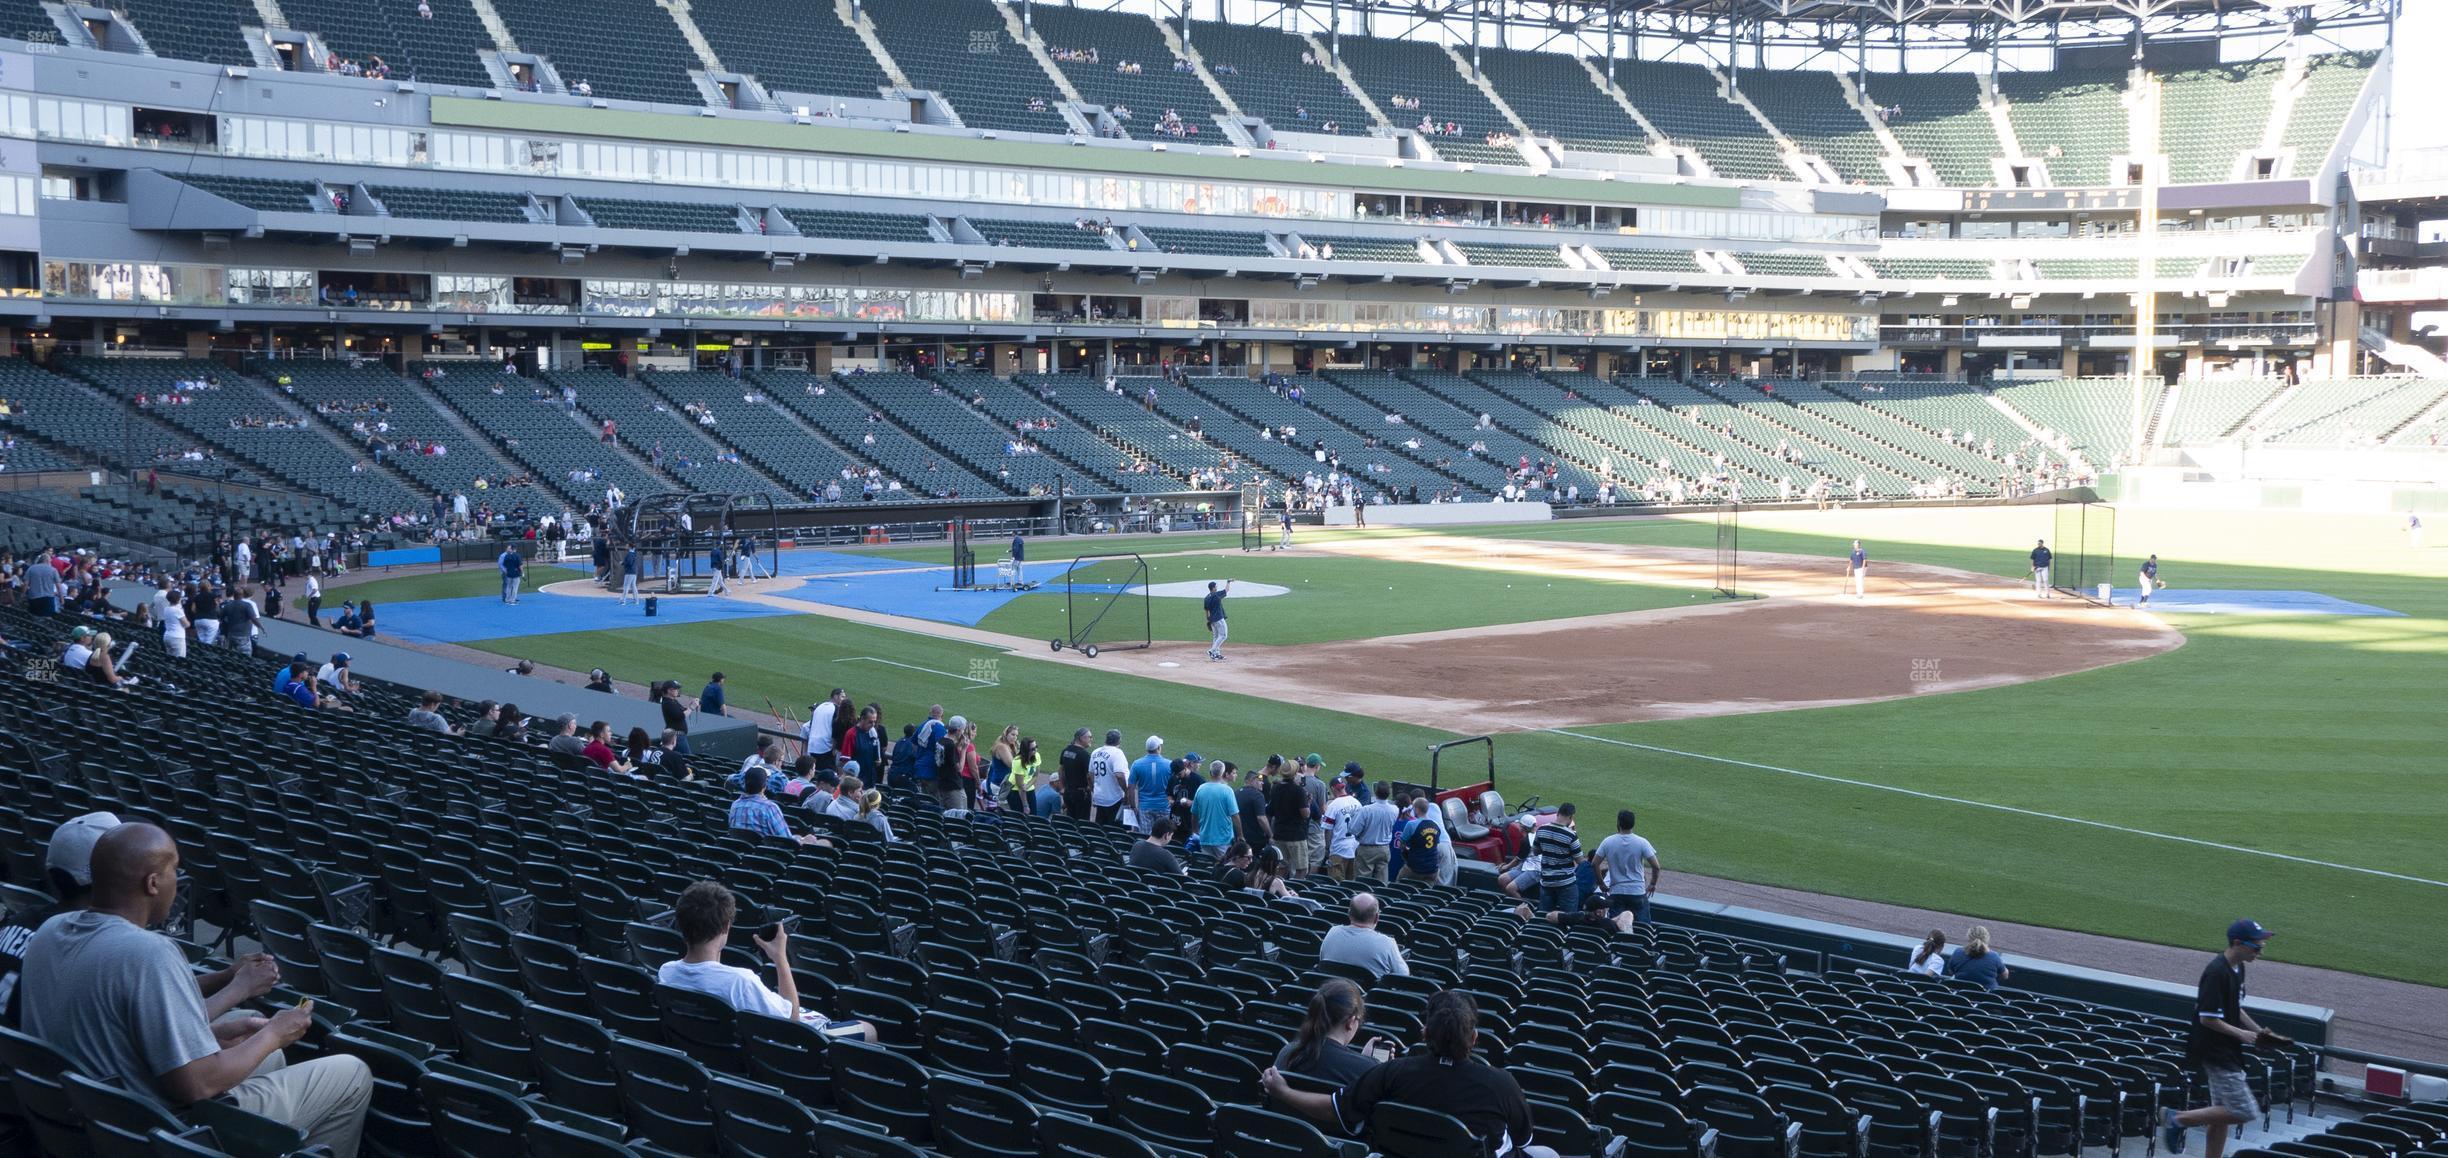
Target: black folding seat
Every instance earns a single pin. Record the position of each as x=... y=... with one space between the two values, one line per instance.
x=1829 y=1128
x=412 y=989
x=1122 y=1046
x=622 y=997
x=1651 y=1127
x=975 y=1120
x=703 y=1026
x=484 y=948
x=1747 y=1125
x=880 y=1086
x=1248 y=1130
x=118 y=1122
x=965 y=1046
x=1160 y=1109
x=38 y=1077
x=787 y=1054
x=1065 y=1136
x=757 y=1122
x=664 y=1092
x=1225 y=1075
x=1066 y=1080
x=552 y=974
x=490 y=1022
x=573 y=1061
x=1419 y=1132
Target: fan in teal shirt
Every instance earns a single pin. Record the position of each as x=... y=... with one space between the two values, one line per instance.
x=1215 y=808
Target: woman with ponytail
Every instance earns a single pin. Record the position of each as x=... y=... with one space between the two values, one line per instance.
x=1929 y=960
x=1322 y=1049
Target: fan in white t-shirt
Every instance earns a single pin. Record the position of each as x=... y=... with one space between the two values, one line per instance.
x=1929 y=958
x=704 y=915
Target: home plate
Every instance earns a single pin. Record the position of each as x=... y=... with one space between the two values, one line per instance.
x=1166 y=663
x=1197 y=589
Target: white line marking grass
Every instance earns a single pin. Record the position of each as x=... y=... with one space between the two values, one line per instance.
x=2007 y=808
x=970 y=680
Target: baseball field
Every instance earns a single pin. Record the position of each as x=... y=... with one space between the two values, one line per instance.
x=1947 y=741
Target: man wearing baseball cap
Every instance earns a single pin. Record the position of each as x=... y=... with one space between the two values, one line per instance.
x=69 y=865
x=2221 y=1030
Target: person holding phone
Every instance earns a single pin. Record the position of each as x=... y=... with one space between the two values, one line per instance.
x=1322 y=1049
x=703 y=917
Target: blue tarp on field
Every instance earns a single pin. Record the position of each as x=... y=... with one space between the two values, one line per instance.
x=2205 y=601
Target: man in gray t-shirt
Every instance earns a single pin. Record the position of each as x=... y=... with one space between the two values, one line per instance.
x=1359 y=943
x=121 y=1004
x=1627 y=870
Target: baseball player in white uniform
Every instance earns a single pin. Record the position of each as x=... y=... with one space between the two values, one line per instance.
x=1859 y=568
x=2041 y=558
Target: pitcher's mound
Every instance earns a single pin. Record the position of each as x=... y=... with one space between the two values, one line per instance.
x=1197 y=589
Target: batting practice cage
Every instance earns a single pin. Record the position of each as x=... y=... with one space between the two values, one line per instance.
x=1253 y=516
x=1107 y=605
x=2084 y=548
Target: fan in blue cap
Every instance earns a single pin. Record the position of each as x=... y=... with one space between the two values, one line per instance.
x=2221 y=1031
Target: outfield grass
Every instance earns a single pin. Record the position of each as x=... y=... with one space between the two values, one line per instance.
x=465 y=581
x=1335 y=598
x=2316 y=737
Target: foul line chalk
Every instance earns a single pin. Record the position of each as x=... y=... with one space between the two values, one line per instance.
x=2305 y=860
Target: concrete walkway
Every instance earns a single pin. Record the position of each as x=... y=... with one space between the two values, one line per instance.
x=2391 y=1017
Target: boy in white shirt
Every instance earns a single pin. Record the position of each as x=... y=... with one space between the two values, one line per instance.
x=704 y=917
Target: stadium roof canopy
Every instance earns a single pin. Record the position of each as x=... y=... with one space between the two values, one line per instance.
x=1649 y=15
x=1827 y=25
x=1955 y=11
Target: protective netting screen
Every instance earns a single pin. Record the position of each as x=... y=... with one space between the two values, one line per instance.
x=2085 y=547
x=1253 y=516
x=1729 y=550
x=1108 y=602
